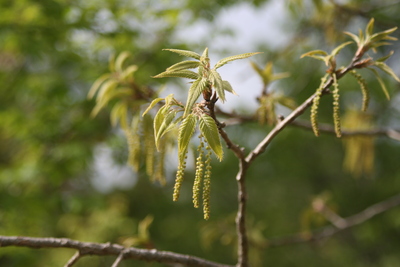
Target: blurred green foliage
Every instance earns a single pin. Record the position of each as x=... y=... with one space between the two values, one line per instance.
x=51 y=51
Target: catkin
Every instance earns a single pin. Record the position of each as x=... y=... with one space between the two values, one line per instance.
x=364 y=90
x=199 y=173
x=315 y=105
x=179 y=179
x=336 y=107
x=207 y=185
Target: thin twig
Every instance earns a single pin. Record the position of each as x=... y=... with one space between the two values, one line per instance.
x=73 y=259
x=345 y=223
x=119 y=259
x=102 y=249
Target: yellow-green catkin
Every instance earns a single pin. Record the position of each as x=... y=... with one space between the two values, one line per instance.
x=364 y=90
x=179 y=179
x=199 y=173
x=207 y=185
x=159 y=174
x=134 y=148
x=314 y=107
x=336 y=107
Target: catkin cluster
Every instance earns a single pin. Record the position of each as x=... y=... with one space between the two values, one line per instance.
x=203 y=178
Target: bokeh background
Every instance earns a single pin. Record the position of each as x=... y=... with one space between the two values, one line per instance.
x=64 y=174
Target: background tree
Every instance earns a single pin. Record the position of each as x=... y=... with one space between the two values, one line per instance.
x=52 y=51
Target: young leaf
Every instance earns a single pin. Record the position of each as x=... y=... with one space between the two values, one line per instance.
x=198 y=86
x=387 y=69
x=152 y=104
x=370 y=28
x=354 y=37
x=186 y=131
x=189 y=64
x=209 y=130
x=232 y=58
x=120 y=112
x=159 y=118
x=384 y=58
x=180 y=73
x=314 y=54
x=216 y=81
x=119 y=62
x=184 y=53
x=340 y=47
x=165 y=126
x=96 y=85
x=228 y=87
x=383 y=86
x=128 y=72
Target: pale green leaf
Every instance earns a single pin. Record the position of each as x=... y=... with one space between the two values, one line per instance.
x=315 y=54
x=370 y=28
x=181 y=73
x=165 y=126
x=383 y=86
x=279 y=76
x=353 y=36
x=152 y=104
x=205 y=53
x=228 y=87
x=340 y=47
x=382 y=59
x=387 y=69
x=232 y=58
x=96 y=85
x=108 y=86
x=198 y=86
x=159 y=118
x=384 y=35
x=216 y=81
x=128 y=72
x=209 y=130
x=119 y=62
x=190 y=64
x=185 y=53
x=186 y=131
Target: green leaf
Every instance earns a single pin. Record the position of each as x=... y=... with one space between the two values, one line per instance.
x=96 y=85
x=128 y=72
x=232 y=58
x=228 y=87
x=384 y=35
x=181 y=73
x=159 y=118
x=205 y=53
x=314 y=54
x=166 y=126
x=353 y=36
x=186 y=131
x=185 y=53
x=152 y=104
x=340 y=47
x=370 y=28
x=216 y=81
x=198 y=86
x=387 y=69
x=209 y=130
x=382 y=59
x=119 y=62
x=190 y=64
x=383 y=86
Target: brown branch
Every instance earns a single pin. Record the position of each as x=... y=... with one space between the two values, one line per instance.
x=243 y=243
x=102 y=249
x=339 y=225
x=326 y=128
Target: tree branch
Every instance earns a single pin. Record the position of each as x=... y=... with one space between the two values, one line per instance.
x=339 y=225
x=102 y=249
x=73 y=259
x=391 y=133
